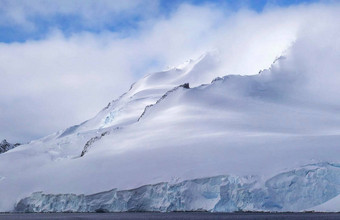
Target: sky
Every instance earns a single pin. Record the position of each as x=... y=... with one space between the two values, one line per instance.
x=62 y=61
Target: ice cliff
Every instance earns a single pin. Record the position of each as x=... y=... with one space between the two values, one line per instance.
x=294 y=190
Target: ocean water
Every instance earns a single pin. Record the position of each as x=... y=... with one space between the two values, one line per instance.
x=171 y=215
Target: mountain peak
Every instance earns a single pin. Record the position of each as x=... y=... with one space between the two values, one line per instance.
x=6 y=146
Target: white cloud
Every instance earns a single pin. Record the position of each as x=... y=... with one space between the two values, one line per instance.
x=60 y=81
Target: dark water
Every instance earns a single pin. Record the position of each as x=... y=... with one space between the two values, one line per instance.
x=178 y=215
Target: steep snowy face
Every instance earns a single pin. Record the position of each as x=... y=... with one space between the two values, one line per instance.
x=5 y=146
x=127 y=109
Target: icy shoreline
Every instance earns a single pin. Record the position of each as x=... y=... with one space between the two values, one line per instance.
x=295 y=190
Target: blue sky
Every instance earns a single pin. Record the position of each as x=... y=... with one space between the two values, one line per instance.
x=71 y=21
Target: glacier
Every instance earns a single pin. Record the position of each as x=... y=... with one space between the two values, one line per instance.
x=294 y=190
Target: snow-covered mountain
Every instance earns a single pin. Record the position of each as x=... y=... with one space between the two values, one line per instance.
x=5 y=146
x=188 y=138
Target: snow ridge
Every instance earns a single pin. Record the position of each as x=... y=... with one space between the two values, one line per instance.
x=185 y=86
x=91 y=141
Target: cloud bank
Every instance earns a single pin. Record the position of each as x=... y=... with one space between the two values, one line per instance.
x=64 y=79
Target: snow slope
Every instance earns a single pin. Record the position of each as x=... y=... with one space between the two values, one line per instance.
x=265 y=126
x=333 y=205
